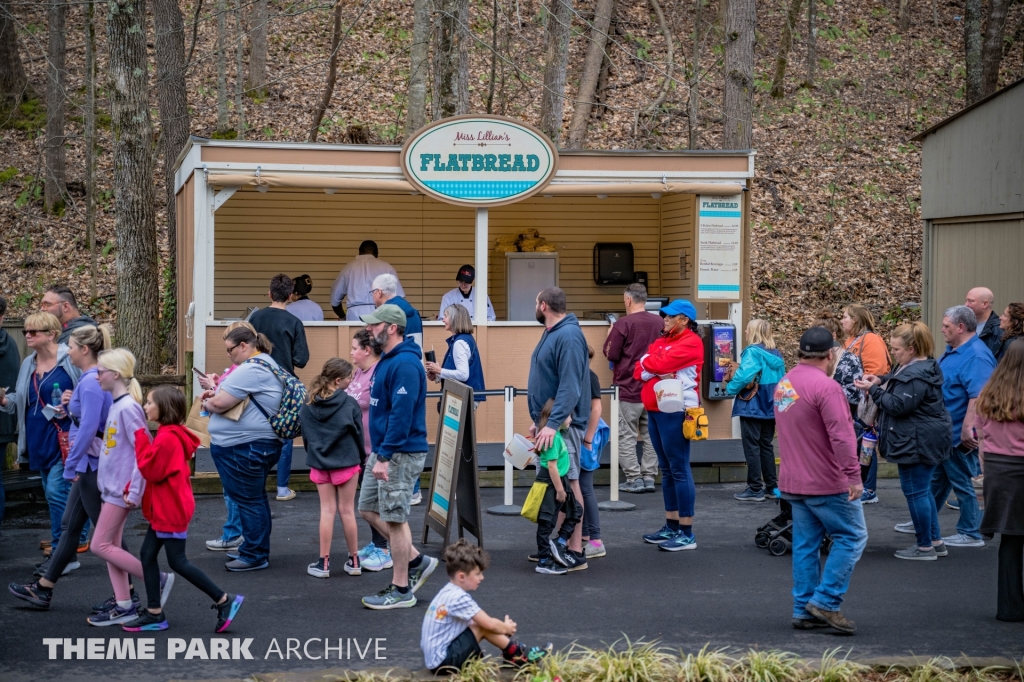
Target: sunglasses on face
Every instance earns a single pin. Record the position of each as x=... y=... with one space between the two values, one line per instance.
x=33 y=332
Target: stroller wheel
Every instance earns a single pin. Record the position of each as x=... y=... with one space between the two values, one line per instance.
x=777 y=547
x=762 y=539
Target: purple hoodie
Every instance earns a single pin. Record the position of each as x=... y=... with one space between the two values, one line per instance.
x=118 y=470
x=88 y=408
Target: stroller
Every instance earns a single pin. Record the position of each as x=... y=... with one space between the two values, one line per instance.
x=777 y=535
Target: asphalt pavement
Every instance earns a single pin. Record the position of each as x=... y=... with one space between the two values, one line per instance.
x=727 y=592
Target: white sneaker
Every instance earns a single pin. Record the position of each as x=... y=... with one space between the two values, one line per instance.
x=72 y=566
x=961 y=540
x=907 y=528
x=416 y=499
x=221 y=545
x=283 y=495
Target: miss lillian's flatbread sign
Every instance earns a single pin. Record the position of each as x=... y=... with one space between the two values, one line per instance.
x=479 y=160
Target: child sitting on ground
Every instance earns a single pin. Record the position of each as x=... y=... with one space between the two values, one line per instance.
x=454 y=625
x=552 y=469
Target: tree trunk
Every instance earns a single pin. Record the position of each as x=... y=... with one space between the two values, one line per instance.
x=972 y=49
x=90 y=145
x=14 y=85
x=239 y=77
x=258 y=18
x=992 y=47
x=556 y=62
x=740 y=21
x=591 y=73
x=693 y=109
x=223 y=125
x=903 y=18
x=56 y=75
x=666 y=83
x=785 y=45
x=172 y=99
x=134 y=219
x=451 y=60
x=419 y=64
x=494 y=56
x=935 y=13
x=332 y=75
x=812 y=42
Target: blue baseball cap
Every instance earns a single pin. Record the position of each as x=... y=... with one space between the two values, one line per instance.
x=680 y=306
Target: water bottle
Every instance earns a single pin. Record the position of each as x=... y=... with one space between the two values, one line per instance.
x=867 y=448
x=55 y=396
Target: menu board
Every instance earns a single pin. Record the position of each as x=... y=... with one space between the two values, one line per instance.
x=447 y=451
x=719 y=247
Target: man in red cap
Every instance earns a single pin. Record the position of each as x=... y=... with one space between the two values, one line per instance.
x=465 y=294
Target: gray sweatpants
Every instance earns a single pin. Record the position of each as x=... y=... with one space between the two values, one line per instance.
x=633 y=427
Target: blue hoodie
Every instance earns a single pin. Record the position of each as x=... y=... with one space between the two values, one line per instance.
x=413 y=322
x=768 y=367
x=398 y=402
x=560 y=369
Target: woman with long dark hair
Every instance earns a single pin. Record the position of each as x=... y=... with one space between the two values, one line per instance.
x=679 y=354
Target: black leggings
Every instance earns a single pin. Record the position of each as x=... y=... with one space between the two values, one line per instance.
x=84 y=502
x=176 y=559
x=1011 y=578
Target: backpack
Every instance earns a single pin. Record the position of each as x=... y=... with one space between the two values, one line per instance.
x=286 y=422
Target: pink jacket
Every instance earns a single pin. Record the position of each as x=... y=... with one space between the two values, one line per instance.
x=817 y=445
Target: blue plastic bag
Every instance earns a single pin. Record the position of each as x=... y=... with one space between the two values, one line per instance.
x=590 y=458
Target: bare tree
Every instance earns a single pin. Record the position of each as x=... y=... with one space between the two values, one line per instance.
x=90 y=145
x=737 y=132
x=666 y=82
x=239 y=79
x=332 y=75
x=172 y=100
x=223 y=124
x=577 y=134
x=972 y=49
x=419 y=63
x=693 y=108
x=55 y=188
x=258 y=18
x=992 y=46
x=785 y=45
x=451 y=59
x=134 y=219
x=14 y=84
x=556 y=62
x=494 y=56
x=903 y=15
x=812 y=42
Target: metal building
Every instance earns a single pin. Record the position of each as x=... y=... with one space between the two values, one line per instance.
x=972 y=202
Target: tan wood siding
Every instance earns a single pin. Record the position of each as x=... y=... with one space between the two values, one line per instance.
x=185 y=255
x=574 y=225
x=677 y=228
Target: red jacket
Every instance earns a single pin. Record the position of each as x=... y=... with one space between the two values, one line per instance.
x=666 y=356
x=167 y=503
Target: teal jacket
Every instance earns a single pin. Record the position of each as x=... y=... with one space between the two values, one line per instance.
x=768 y=367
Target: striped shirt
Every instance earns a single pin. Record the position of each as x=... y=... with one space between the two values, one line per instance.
x=447 y=617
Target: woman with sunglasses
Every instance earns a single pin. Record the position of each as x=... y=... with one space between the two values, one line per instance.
x=37 y=400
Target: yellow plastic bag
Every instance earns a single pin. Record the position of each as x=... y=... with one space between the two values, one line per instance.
x=695 y=425
x=531 y=508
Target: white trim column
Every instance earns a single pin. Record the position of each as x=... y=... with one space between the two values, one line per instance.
x=480 y=263
x=202 y=271
x=736 y=318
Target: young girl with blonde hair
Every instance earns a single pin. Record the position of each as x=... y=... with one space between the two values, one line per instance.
x=332 y=432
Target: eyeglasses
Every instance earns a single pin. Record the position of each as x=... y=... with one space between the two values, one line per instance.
x=233 y=348
x=100 y=370
x=33 y=332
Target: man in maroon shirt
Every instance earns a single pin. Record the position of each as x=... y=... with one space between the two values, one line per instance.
x=627 y=342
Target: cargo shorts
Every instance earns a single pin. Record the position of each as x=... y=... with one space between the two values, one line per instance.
x=390 y=499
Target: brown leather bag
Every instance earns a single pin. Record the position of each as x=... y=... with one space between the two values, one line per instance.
x=750 y=390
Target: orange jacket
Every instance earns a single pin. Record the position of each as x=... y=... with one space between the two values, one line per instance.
x=871 y=350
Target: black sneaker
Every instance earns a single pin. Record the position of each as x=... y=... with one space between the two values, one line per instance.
x=227 y=611
x=146 y=622
x=112 y=602
x=560 y=553
x=33 y=593
x=548 y=566
x=518 y=655
x=321 y=568
x=577 y=561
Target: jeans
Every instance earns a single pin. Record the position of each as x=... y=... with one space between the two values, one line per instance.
x=55 y=489
x=233 y=523
x=955 y=474
x=916 y=483
x=844 y=522
x=591 y=516
x=757 y=435
x=284 y=465
x=243 y=472
x=673 y=450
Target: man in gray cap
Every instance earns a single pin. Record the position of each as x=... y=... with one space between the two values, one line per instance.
x=398 y=442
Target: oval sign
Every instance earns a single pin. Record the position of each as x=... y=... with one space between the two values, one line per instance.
x=479 y=160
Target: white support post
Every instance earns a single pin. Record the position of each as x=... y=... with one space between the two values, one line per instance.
x=613 y=503
x=507 y=509
x=202 y=272
x=482 y=239
x=736 y=318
